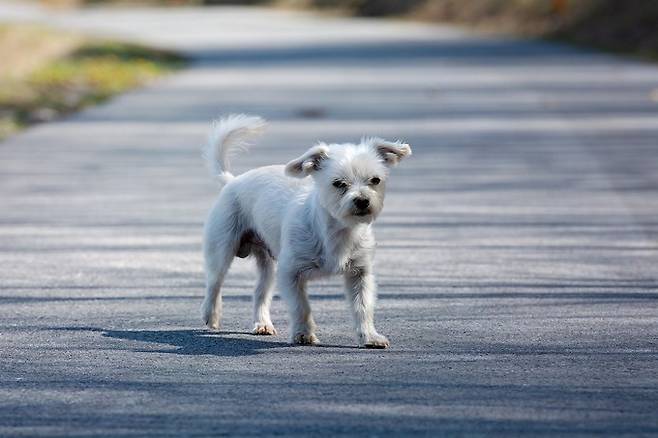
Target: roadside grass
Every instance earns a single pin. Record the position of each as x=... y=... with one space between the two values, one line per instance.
x=49 y=73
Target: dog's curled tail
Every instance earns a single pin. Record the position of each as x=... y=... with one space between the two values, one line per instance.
x=229 y=134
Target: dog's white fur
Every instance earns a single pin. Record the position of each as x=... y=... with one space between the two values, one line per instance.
x=314 y=226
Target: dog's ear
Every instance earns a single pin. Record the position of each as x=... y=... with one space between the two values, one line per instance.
x=309 y=162
x=391 y=152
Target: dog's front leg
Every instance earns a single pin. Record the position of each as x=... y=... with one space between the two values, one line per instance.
x=360 y=290
x=293 y=290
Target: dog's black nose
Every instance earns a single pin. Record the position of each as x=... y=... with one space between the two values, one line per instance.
x=361 y=203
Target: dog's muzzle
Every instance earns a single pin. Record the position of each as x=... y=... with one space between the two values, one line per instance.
x=361 y=207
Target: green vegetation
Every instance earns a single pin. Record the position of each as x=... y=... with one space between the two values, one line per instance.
x=71 y=73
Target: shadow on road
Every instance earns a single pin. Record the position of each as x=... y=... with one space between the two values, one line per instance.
x=474 y=50
x=190 y=342
x=197 y=342
x=194 y=342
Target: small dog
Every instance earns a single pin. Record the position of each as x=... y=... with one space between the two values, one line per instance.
x=313 y=226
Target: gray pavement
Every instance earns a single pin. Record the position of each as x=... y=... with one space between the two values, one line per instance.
x=517 y=254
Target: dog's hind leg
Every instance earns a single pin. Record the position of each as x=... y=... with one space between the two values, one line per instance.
x=263 y=293
x=216 y=269
x=220 y=246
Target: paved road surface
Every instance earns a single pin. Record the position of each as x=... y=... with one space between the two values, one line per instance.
x=517 y=257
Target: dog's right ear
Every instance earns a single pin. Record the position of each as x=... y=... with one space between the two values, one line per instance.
x=309 y=162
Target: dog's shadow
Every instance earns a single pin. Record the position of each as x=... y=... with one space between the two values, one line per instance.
x=191 y=342
x=196 y=342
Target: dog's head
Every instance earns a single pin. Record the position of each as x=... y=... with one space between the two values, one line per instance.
x=350 y=179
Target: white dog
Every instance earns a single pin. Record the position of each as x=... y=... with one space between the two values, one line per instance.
x=313 y=226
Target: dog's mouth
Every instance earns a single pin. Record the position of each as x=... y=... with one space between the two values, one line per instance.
x=362 y=212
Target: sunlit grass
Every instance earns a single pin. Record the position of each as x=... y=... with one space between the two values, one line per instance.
x=89 y=73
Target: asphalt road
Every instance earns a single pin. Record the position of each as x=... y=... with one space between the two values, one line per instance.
x=517 y=254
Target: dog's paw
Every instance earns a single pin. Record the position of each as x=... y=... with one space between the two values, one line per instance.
x=375 y=340
x=305 y=339
x=212 y=324
x=263 y=329
x=210 y=318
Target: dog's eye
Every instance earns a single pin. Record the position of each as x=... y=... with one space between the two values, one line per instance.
x=340 y=184
x=374 y=181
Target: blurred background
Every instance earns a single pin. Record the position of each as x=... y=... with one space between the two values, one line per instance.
x=627 y=26
x=48 y=72
x=517 y=256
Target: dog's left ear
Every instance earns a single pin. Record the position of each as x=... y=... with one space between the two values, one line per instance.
x=309 y=162
x=391 y=152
